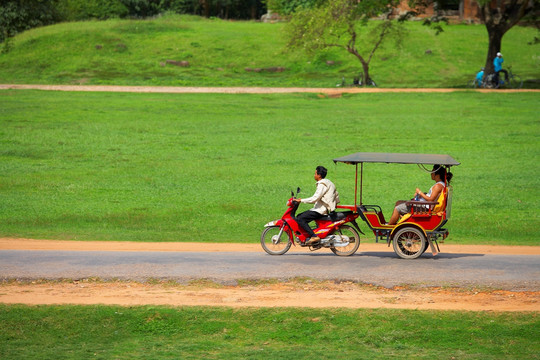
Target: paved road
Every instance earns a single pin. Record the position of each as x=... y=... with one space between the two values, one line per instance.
x=511 y=272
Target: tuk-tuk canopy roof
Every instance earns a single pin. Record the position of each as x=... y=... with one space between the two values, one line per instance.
x=396 y=158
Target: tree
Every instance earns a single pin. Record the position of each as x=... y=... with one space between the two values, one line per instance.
x=20 y=15
x=338 y=23
x=499 y=16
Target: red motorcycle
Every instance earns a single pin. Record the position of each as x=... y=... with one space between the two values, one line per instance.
x=334 y=230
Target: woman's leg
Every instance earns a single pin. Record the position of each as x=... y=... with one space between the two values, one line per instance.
x=400 y=208
x=394 y=218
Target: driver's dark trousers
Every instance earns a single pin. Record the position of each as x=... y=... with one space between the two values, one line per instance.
x=304 y=218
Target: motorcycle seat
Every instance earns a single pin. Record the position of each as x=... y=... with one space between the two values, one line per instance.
x=336 y=216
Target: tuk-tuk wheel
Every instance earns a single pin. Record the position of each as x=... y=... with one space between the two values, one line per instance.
x=409 y=243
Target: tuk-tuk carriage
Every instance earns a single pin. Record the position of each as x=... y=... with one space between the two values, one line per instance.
x=420 y=228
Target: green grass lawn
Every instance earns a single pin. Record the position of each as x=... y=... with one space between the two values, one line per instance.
x=134 y=52
x=217 y=167
x=99 y=332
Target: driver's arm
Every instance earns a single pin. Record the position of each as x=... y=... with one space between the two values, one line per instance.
x=317 y=196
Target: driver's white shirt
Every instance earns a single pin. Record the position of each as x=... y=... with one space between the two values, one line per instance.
x=325 y=198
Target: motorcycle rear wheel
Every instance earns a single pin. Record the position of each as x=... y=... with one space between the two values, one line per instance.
x=274 y=243
x=354 y=241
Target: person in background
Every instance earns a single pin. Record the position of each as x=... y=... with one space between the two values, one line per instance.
x=497 y=64
x=480 y=77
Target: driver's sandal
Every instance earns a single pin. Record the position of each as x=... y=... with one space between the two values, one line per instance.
x=313 y=240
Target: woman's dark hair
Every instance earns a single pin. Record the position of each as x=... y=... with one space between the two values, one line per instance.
x=321 y=170
x=441 y=171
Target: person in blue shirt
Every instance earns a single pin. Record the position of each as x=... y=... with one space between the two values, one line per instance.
x=497 y=64
x=479 y=77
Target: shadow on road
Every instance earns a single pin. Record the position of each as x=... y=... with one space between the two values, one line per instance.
x=387 y=255
x=426 y=255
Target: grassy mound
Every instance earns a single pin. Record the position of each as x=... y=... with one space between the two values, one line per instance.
x=178 y=50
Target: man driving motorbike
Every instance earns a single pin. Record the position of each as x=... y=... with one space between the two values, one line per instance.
x=325 y=199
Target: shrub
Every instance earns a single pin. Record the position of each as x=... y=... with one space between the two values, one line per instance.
x=287 y=7
x=225 y=9
x=75 y=10
x=104 y=9
x=19 y=15
x=143 y=8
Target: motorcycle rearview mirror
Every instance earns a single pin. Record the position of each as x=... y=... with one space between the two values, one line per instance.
x=297 y=191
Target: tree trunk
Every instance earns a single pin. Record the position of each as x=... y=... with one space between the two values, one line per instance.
x=365 y=64
x=494 y=46
x=367 y=79
x=496 y=27
x=206 y=8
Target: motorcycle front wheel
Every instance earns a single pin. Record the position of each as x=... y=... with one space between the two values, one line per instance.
x=275 y=241
x=349 y=233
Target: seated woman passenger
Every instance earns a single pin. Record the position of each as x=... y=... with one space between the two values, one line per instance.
x=438 y=174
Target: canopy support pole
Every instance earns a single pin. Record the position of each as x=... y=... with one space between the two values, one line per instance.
x=361 y=181
x=356 y=186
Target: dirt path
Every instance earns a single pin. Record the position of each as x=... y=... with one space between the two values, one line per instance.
x=266 y=294
x=33 y=244
x=290 y=294
x=236 y=90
